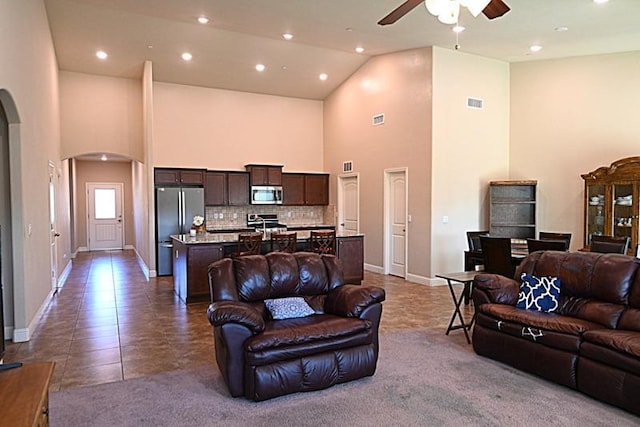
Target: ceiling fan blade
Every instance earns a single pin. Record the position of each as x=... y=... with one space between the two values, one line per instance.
x=400 y=11
x=495 y=9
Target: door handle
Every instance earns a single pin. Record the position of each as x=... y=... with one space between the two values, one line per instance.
x=56 y=234
x=342 y=224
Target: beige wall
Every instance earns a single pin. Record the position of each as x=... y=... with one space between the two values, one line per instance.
x=568 y=117
x=221 y=129
x=470 y=148
x=100 y=114
x=399 y=86
x=29 y=82
x=103 y=172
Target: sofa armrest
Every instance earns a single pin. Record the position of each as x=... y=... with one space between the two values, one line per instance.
x=222 y=312
x=494 y=288
x=352 y=300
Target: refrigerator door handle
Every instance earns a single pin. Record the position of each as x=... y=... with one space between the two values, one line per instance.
x=180 y=212
x=166 y=245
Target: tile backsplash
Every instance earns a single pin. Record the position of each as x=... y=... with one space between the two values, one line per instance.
x=221 y=217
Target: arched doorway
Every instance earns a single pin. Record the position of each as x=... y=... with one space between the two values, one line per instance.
x=10 y=213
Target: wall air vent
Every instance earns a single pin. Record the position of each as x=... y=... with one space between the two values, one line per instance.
x=347 y=166
x=475 y=103
x=378 y=119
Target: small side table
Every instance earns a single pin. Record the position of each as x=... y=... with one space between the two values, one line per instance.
x=466 y=278
x=24 y=395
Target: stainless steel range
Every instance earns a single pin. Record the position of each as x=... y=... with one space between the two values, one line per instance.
x=265 y=223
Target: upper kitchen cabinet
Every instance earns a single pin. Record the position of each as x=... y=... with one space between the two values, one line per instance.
x=316 y=189
x=226 y=188
x=215 y=189
x=611 y=205
x=265 y=174
x=305 y=189
x=293 y=189
x=238 y=188
x=512 y=210
x=172 y=176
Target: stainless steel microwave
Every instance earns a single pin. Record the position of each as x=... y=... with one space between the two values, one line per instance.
x=266 y=195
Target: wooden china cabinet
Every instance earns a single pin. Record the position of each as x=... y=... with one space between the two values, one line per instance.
x=611 y=196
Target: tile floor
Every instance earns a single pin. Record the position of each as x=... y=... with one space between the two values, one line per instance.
x=108 y=323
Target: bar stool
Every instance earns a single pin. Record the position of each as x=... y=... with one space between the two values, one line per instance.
x=284 y=242
x=248 y=244
x=323 y=241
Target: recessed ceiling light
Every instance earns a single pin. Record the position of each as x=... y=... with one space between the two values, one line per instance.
x=561 y=29
x=284 y=67
x=287 y=36
x=359 y=49
x=458 y=29
x=600 y=1
x=203 y=20
x=349 y=29
x=149 y=46
x=101 y=54
x=103 y=158
x=260 y=67
x=323 y=76
x=187 y=56
x=535 y=48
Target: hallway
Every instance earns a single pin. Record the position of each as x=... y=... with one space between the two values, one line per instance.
x=108 y=323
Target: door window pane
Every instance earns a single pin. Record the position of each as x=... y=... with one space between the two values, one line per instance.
x=105 y=203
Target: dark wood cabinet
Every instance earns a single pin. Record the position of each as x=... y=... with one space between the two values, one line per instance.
x=293 y=189
x=170 y=176
x=215 y=189
x=226 y=188
x=265 y=174
x=238 y=188
x=190 y=269
x=316 y=189
x=305 y=189
x=350 y=250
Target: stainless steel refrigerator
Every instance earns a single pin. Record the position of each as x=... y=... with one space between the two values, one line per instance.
x=175 y=209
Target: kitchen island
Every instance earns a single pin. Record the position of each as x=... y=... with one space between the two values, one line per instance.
x=192 y=256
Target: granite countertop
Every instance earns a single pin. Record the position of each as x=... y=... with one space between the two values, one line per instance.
x=227 y=237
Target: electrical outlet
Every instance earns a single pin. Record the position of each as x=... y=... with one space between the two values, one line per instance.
x=221 y=216
x=235 y=215
x=289 y=214
x=215 y=215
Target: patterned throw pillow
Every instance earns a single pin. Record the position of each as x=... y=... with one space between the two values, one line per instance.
x=539 y=293
x=288 y=308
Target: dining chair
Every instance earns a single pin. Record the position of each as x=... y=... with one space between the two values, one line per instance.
x=284 y=242
x=546 y=245
x=609 y=244
x=496 y=252
x=248 y=244
x=545 y=235
x=473 y=239
x=323 y=241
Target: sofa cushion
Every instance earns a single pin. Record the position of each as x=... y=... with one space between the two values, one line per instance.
x=539 y=293
x=288 y=308
x=627 y=342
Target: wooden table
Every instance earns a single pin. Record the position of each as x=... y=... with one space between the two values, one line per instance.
x=24 y=395
x=466 y=278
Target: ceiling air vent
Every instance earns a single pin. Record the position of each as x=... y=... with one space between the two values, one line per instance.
x=347 y=166
x=378 y=119
x=474 y=103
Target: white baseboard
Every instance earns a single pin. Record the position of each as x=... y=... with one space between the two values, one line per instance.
x=373 y=268
x=65 y=274
x=24 y=334
x=82 y=249
x=143 y=265
x=8 y=331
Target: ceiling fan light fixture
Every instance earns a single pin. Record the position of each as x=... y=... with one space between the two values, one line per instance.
x=450 y=14
x=436 y=7
x=475 y=6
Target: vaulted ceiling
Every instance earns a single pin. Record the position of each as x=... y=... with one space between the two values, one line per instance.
x=243 y=33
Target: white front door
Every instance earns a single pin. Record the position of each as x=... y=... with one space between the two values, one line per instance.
x=348 y=203
x=105 y=226
x=396 y=221
x=53 y=234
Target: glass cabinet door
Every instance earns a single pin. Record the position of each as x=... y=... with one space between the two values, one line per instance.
x=623 y=216
x=595 y=211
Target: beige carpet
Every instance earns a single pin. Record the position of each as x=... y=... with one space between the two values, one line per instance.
x=424 y=378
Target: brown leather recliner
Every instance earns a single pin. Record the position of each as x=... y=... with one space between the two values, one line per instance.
x=590 y=343
x=261 y=358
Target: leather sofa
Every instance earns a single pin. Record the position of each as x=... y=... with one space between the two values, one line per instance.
x=261 y=358
x=591 y=343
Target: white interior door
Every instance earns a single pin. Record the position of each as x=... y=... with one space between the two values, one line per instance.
x=53 y=234
x=105 y=226
x=396 y=229
x=348 y=203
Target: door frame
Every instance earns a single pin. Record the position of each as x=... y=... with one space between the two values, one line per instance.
x=388 y=173
x=88 y=186
x=342 y=177
x=53 y=224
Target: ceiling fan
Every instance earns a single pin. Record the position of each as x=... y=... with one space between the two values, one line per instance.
x=447 y=10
